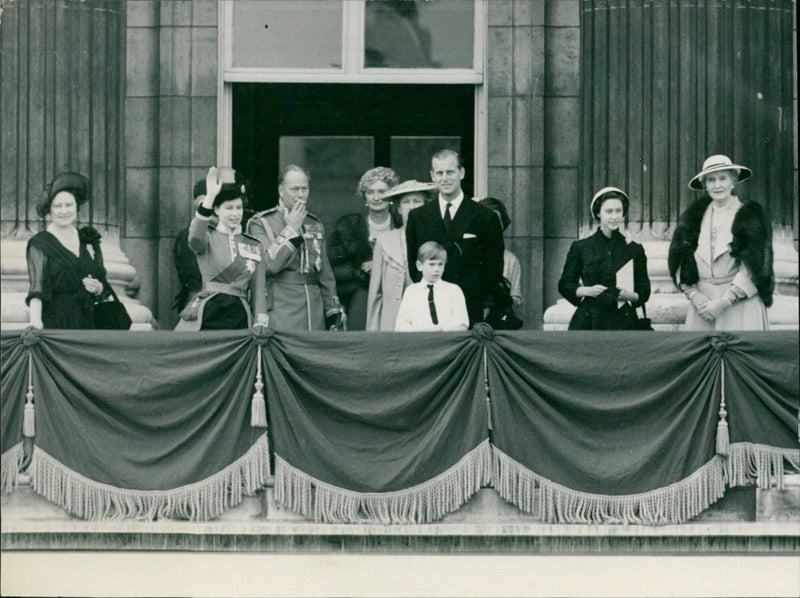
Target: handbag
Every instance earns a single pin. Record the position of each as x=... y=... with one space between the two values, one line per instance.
x=111 y=314
x=643 y=323
x=501 y=312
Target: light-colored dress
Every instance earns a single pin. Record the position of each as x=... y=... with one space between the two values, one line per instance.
x=388 y=280
x=718 y=270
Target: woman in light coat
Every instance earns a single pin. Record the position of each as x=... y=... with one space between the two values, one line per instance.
x=389 y=274
x=721 y=253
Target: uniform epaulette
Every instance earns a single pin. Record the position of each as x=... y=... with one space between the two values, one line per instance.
x=265 y=212
x=309 y=214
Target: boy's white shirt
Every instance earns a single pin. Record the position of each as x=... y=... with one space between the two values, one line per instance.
x=451 y=309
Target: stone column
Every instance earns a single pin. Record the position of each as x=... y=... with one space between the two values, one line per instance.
x=515 y=80
x=664 y=85
x=62 y=79
x=171 y=86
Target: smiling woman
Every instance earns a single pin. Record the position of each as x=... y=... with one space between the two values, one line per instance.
x=228 y=260
x=594 y=276
x=65 y=265
x=721 y=253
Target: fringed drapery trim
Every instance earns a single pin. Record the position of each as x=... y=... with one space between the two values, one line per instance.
x=552 y=503
x=423 y=503
x=749 y=463
x=200 y=501
x=10 y=463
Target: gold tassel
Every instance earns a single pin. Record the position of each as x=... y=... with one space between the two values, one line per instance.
x=723 y=439
x=258 y=407
x=486 y=389
x=29 y=414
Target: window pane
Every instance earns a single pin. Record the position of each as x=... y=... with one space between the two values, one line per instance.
x=336 y=165
x=287 y=33
x=419 y=34
x=411 y=156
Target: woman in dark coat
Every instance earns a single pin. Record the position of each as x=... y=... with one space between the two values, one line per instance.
x=606 y=300
x=349 y=252
x=65 y=265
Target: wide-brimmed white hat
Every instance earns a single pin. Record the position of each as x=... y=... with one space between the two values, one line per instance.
x=606 y=190
x=410 y=186
x=716 y=163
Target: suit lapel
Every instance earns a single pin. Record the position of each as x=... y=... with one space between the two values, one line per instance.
x=434 y=218
x=466 y=213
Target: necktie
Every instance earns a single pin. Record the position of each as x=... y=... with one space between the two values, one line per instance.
x=448 y=220
x=432 y=305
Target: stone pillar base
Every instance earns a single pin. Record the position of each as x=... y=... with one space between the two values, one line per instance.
x=121 y=275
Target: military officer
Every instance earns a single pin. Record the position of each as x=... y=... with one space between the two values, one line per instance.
x=300 y=287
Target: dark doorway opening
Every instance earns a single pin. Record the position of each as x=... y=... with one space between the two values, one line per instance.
x=338 y=131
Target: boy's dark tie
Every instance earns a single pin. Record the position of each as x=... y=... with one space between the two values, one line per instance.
x=448 y=219
x=432 y=305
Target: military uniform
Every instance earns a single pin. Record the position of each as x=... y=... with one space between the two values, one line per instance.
x=300 y=287
x=228 y=263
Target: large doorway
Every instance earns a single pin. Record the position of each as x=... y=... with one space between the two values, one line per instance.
x=338 y=131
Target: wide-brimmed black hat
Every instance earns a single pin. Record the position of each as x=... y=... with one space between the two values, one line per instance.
x=75 y=183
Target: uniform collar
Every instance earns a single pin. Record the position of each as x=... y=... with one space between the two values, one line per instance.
x=236 y=231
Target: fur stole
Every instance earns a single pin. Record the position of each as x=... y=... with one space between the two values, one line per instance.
x=751 y=245
x=684 y=243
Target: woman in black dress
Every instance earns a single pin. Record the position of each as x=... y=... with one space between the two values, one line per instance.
x=65 y=265
x=589 y=279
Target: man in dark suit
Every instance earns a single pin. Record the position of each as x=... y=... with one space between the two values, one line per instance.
x=469 y=232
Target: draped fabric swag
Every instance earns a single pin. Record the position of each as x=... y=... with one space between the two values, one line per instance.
x=587 y=427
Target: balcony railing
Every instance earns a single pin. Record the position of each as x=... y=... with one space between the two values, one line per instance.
x=398 y=428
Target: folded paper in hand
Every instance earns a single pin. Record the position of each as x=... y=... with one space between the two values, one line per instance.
x=625 y=278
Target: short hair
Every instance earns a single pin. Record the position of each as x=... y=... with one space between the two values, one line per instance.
x=291 y=168
x=598 y=205
x=499 y=208
x=431 y=250
x=373 y=175
x=447 y=153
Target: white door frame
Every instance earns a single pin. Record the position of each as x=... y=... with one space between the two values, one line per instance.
x=352 y=71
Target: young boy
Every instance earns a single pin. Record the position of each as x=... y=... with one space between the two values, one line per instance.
x=432 y=303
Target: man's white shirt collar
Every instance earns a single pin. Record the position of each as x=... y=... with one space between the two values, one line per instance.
x=455 y=203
